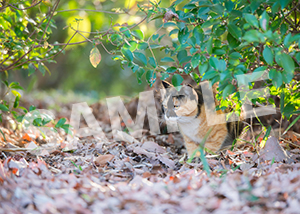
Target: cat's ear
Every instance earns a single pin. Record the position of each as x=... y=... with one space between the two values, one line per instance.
x=166 y=84
x=189 y=91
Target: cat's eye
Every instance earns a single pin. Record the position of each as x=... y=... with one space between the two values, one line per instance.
x=176 y=106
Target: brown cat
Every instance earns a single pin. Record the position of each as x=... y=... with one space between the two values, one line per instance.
x=186 y=106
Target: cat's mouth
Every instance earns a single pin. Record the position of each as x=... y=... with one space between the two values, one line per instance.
x=171 y=118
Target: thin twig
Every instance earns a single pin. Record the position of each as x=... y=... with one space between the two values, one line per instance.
x=99 y=11
x=84 y=36
x=50 y=57
x=52 y=13
x=26 y=8
x=105 y=48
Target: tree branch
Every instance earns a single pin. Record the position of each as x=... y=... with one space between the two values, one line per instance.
x=26 y=8
x=99 y=11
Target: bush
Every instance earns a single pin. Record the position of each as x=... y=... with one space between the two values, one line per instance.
x=217 y=41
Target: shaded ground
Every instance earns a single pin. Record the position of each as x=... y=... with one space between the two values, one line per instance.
x=150 y=175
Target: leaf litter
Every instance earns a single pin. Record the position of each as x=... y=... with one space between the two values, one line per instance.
x=148 y=175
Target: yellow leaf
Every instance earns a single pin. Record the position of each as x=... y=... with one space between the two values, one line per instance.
x=16 y=93
x=95 y=56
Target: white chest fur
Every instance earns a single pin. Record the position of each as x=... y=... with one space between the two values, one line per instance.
x=190 y=127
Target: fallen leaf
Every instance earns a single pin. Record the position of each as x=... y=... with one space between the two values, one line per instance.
x=153 y=147
x=272 y=149
x=103 y=159
x=27 y=137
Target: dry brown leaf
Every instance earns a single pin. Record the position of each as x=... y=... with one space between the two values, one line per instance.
x=103 y=159
x=153 y=147
x=272 y=150
x=146 y=174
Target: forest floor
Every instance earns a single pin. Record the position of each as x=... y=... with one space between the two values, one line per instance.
x=150 y=175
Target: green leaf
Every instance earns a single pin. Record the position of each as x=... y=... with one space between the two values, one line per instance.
x=117 y=57
x=268 y=55
x=60 y=122
x=228 y=90
x=251 y=19
x=31 y=69
x=187 y=68
x=282 y=96
x=221 y=65
x=177 y=80
x=1 y=130
x=183 y=35
x=142 y=46
x=210 y=74
x=288 y=110
x=131 y=45
x=138 y=34
x=198 y=34
x=283 y=28
x=125 y=31
x=95 y=57
x=209 y=45
x=15 y=85
x=203 y=68
x=277 y=80
x=219 y=51
x=292 y=123
x=218 y=8
x=235 y=31
x=115 y=38
x=229 y=5
x=3 y=107
x=141 y=57
x=155 y=36
x=264 y=21
x=287 y=40
x=150 y=77
x=287 y=63
x=195 y=60
x=42 y=68
x=184 y=59
x=152 y=62
x=5 y=83
x=164 y=76
x=139 y=74
x=203 y=11
x=265 y=138
x=127 y=53
x=235 y=55
x=213 y=61
x=167 y=59
x=171 y=69
x=159 y=39
x=16 y=103
x=195 y=77
x=284 y=3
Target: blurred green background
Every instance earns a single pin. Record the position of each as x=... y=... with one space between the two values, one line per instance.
x=73 y=70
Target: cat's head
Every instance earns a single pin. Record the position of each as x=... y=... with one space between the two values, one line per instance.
x=179 y=105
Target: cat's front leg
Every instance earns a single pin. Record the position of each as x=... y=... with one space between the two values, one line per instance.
x=190 y=146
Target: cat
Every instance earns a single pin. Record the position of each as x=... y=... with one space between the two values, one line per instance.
x=186 y=106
